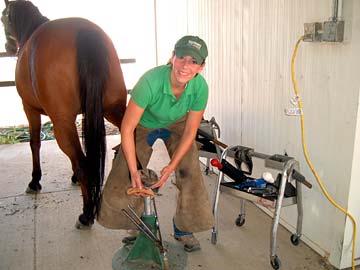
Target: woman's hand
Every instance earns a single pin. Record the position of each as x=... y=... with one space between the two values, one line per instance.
x=165 y=173
x=136 y=180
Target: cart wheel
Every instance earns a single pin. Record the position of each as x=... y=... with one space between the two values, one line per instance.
x=275 y=262
x=240 y=220
x=295 y=239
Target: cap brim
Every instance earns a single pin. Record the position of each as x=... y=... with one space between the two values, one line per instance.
x=182 y=52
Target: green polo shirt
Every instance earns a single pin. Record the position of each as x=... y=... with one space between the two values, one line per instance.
x=161 y=108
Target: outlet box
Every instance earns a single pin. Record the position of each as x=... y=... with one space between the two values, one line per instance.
x=333 y=31
x=312 y=32
x=293 y=111
x=329 y=31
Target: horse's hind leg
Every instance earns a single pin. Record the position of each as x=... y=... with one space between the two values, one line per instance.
x=115 y=115
x=34 y=119
x=68 y=140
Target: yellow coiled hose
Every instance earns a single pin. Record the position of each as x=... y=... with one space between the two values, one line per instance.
x=307 y=155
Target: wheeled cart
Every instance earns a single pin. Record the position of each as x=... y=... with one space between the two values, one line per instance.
x=280 y=194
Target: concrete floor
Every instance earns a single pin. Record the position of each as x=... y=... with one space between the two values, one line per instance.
x=37 y=231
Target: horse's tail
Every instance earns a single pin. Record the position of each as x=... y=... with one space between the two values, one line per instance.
x=93 y=67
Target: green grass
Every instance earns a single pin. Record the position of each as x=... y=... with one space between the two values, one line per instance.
x=12 y=135
x=8 y=138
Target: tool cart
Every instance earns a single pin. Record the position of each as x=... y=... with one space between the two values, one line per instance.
x=237 y=162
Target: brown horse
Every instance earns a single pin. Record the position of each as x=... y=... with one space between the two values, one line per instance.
x=67 y=67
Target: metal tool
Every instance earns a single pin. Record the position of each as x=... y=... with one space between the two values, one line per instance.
x=140 y=225
x=162 y=249
x=148 y=248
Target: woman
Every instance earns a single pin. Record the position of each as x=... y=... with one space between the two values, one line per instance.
x=168 y=102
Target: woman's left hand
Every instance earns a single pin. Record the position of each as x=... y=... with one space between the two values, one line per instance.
x=165 y=173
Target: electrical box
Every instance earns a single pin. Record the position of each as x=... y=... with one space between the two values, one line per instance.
x=312 y=32
x=329 y=31
x=333 y=31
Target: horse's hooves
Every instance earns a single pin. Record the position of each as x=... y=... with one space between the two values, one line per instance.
x=31 y=191
x=33 y=188
x=83 y=223
x=76 y=184
x=74 y=181
x=80 y=226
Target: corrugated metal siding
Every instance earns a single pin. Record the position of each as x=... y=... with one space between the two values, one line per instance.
x=248 y=70
x=250 y=47
x=221 y=27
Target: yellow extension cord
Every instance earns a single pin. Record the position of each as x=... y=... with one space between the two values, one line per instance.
x=307 y=156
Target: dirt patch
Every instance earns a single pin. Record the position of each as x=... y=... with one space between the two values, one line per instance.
x=109 y=128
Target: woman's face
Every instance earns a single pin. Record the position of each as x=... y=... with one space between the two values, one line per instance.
x=184 y=69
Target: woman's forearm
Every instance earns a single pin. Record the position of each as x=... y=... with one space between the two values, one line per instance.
x=128 y=147
x=131 y=119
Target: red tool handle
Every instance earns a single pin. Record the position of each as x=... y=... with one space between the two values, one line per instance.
x=229 y=170
x=216 y=163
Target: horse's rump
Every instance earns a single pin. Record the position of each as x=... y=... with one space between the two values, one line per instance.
x=49 y=61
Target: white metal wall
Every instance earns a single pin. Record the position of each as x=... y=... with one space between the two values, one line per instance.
x=248 y=70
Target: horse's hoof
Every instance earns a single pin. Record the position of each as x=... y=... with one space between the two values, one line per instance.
x=31 y=191
x=80 y=226
x=83 y=223
x=75 y=184
x=33 y=188
x=74 y=181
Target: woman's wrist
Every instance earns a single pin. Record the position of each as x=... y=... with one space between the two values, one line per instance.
x=133 y=171
x=171 y=166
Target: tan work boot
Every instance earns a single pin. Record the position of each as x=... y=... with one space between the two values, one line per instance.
x=131 y=238
x=189 y=241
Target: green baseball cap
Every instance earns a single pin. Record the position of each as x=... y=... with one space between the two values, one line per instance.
x=192 y=46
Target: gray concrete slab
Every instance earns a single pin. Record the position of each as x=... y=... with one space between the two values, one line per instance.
x=37 y=231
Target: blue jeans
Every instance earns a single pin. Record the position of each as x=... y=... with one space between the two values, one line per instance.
x=178 y=232
x=159 y=133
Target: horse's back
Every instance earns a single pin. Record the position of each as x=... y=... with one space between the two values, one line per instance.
x=49 y=64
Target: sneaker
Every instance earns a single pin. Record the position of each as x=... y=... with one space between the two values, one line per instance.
x=189 y=241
